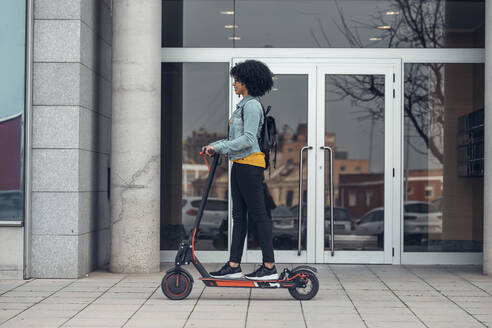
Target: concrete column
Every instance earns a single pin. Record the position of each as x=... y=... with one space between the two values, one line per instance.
x=135 y=136
x=487 y=225
x=71 y=120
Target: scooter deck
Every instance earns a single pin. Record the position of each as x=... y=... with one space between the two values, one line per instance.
x=246 y=283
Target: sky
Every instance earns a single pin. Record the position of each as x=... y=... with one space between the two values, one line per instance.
x=12 y=39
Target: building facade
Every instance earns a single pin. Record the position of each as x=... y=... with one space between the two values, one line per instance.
x=381 y=108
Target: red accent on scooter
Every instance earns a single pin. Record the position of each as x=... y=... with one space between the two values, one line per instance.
x=205 y=158
x=167 y=287
x=193 y=245
x=238 y=283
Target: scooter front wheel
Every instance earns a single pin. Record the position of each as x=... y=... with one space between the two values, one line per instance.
x=310 y=289
x=177 y=285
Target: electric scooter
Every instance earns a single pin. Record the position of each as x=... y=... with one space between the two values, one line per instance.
x=177 y=283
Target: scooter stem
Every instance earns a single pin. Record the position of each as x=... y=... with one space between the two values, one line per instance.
x=208 y=185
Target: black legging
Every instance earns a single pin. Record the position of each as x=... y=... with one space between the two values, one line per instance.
x=248 y=200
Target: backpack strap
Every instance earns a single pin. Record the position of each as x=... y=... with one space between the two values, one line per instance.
x=242 y=108
x=275 y=157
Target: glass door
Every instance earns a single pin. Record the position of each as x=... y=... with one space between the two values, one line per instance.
x=339 y=123
x=291 y=183
x=357 y=213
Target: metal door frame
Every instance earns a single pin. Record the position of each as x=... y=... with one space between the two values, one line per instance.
x=292 y=66
x=315 y=252
x=393 y=159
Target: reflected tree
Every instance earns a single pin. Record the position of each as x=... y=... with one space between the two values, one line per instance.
x=404 y=24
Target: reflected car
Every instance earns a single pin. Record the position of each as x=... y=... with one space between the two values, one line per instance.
x=342 y=223
x=371 y=223
x=295 y=212
x=420 y=219
x=213 y=216
x=285 y=229
x=10 y=205
x=284 y=222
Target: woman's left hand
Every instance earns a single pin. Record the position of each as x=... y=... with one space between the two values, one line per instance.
x=208 y=150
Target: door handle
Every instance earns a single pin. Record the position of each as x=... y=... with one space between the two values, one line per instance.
x=332 y=232
x=300 y=200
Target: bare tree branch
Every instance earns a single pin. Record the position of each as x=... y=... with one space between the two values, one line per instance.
x=420 y=24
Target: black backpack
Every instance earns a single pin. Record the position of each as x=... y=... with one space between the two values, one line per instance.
x=268 y=140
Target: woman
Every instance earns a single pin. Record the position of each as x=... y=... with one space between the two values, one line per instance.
x=252 y=79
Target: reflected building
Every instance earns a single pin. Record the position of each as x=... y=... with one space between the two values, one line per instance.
x=360 y=193
x=11 y=193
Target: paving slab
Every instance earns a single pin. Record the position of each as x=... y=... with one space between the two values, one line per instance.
x=352 y=296
x=335 y=324
x=149 y=323
x=332 y=318
x=395 y=324
x=272 y=323
x=98 y=322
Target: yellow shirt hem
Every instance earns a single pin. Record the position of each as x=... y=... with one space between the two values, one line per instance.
x=255 y=159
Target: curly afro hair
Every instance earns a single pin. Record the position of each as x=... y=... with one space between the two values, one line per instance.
x=255 y=75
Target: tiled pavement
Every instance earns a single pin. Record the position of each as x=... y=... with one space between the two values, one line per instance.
x=350 y=296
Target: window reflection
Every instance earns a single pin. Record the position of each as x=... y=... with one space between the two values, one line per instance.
x=443 y=138
x=194 y=113
x=324 y=24
x=11 y=198
x=12 y=66
x=443 y=178
x=354 y=128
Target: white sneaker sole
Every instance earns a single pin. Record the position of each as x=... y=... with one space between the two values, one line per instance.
x=231 y=276
x=270 y=277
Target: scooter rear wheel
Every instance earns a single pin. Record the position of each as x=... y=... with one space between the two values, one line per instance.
x=177 y=285
x=311 y=288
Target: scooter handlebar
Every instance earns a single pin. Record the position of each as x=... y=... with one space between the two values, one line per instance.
x=215 y=156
